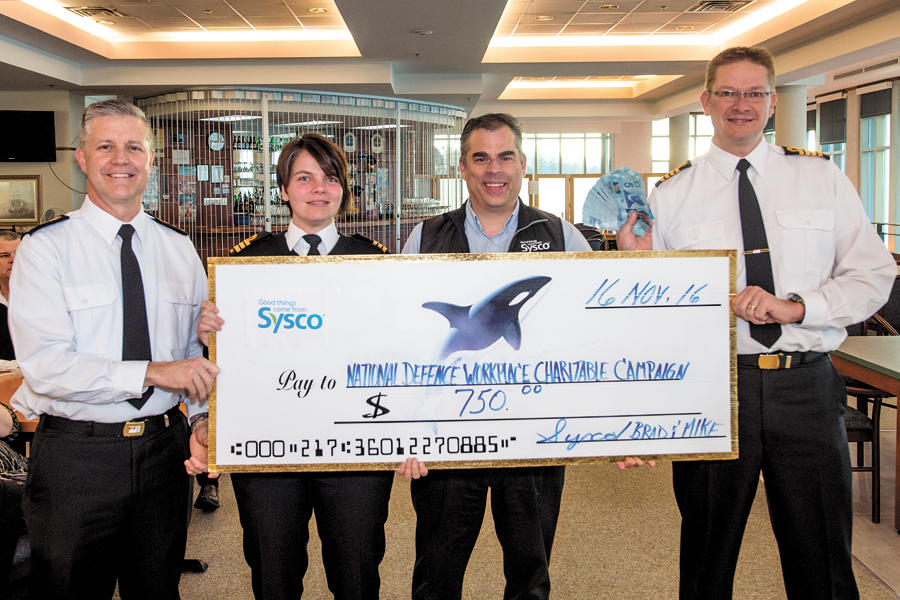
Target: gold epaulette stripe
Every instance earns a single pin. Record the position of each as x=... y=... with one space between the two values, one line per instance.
x=243 y=244
x=674 y=171
x=803 y=152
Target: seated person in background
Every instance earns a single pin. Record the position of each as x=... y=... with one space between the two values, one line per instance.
x=9 y=241
x=351 y=507
x=13 y=468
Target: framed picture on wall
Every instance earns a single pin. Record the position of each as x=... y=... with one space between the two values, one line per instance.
x=20 y=199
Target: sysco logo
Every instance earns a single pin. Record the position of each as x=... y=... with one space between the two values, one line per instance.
x=288 y=320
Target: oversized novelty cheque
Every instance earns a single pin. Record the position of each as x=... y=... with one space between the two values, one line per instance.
x=359 y=362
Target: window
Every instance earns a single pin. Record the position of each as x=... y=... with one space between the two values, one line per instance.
x=659 y=149
x=874 y=168
x=811 y=129
x=700 y=134
x=567 y=153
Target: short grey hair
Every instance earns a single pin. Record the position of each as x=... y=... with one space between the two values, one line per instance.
x=491 y=122
x=109 y=108
x=7 y=235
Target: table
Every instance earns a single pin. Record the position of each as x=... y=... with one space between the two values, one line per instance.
x=874 y=360
x=8 y=387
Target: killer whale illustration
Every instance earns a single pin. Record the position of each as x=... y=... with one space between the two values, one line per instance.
x=478 y=326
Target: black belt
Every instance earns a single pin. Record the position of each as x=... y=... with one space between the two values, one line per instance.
x=779 y=360
x=127 y=429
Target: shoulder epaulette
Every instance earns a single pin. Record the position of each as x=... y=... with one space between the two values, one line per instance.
x=37 y=228
x=673 y=172
x=362 y=238
x=169 y=225
x=802 y=152
x=253 y=239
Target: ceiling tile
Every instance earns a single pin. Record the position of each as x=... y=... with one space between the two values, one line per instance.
x=542 y=7
x=704 y=17
x=151 y=10
x=166 y=23
x=672 y=6
x=312 y=21
x=539 y=29
x=597 y=18
x=261 y=10
x=234 y=21
x=624 y=7
x=657 y=19
x=633 y=28
x=673 y=28
x=558 y=18
x=130 y=3
x=595 y=29
x=273 y=21
x=188 y=5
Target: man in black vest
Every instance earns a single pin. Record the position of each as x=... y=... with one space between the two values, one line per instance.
x=525 y=501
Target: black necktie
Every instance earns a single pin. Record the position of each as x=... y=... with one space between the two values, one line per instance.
x=135 y=331
x=313 y=241
x=757 y=262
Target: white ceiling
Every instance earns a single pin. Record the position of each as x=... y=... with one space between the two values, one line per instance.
x=542 y=60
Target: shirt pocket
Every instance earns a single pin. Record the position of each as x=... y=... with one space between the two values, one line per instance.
x=89 y=309
x=176 y=316
x=808 y=240
x=702 y=236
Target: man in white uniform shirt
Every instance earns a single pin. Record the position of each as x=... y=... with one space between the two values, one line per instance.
x=109 y=473
x=799 y=228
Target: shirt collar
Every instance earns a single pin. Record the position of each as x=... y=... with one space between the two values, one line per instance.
x=726 y=162
x=107 y=225
x=513 y=218
x=294 y=236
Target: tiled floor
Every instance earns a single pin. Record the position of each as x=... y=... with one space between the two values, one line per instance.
x=877 y=546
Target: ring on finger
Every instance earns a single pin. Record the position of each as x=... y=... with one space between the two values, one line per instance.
x=751 y=307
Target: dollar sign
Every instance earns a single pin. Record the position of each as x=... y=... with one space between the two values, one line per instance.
x=378 y=409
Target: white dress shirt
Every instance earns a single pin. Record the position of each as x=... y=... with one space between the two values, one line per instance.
x=66 y=316
x=822 y=245
x=294 y=238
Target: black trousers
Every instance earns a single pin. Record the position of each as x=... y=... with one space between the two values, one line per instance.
x=12 y=525
x=450 y=507
x=791 y=428
x=101 y=508
x=351 y=509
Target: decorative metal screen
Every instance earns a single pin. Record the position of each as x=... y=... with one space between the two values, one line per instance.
x=216 y=151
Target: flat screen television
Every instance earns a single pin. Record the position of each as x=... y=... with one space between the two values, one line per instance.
x=27 y=136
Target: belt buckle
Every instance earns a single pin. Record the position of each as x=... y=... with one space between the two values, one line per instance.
x=774 y=361
x=133 y=429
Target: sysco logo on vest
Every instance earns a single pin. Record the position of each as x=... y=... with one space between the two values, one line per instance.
x=534 y=246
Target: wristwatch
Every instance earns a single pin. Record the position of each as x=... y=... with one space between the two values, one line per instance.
x=197 y=418
x=798 y=300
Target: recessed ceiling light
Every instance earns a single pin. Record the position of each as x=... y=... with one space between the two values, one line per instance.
x=106 y=22
x=422 y=31
x=609 y=6
x=317 y=11
x=684 y=28
x=543 y=18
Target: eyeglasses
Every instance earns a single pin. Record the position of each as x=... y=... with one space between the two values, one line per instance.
x=732 y=96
